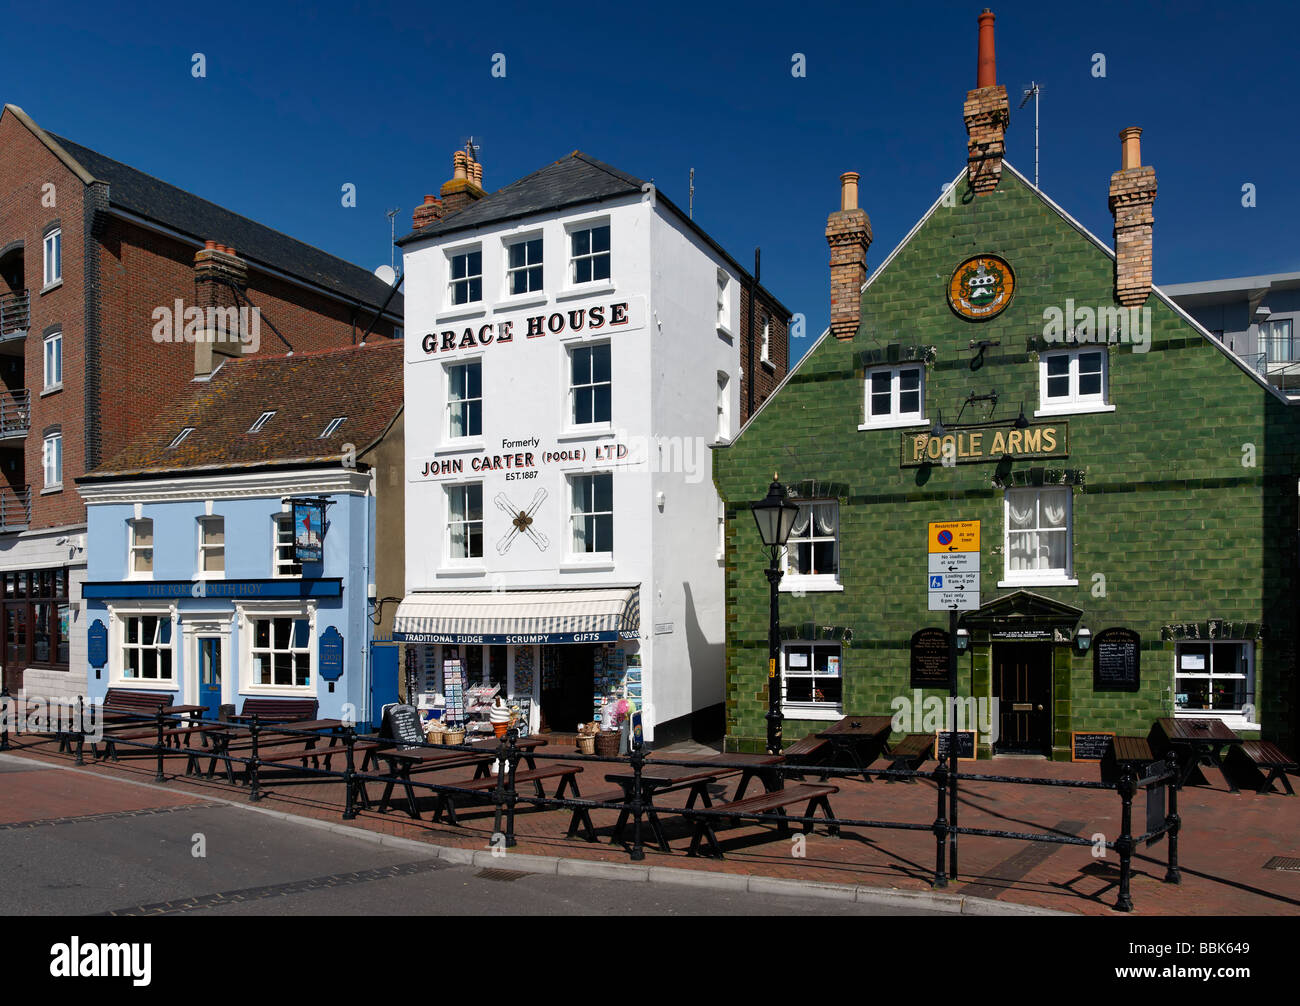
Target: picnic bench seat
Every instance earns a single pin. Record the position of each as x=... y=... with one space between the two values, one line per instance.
x=567 y=774
x=1262 y=762
x=765 y=803
x=272 y=710
x=1134 y=753
x=811 y=750
x=909 y=753
x=172 y=737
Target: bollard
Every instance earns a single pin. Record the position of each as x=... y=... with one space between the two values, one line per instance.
x=499 y=790
x=253 y=794
x=1124 y=844
x=6 y=706
x=159 y=777
x=512 y=794
x=349 y=774
x=1172 y=874
x=81 y=731
x=638 y=763
x=941 y=826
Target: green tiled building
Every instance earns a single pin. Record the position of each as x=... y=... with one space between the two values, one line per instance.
x=1142 y=480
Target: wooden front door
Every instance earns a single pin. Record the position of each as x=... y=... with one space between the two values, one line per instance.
x=1022 y=684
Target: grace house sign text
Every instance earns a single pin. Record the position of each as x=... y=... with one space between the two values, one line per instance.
x=597 y=319
x=973 y=445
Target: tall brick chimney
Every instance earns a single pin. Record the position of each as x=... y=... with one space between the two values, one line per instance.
x=1132 y=191
x=465 y=186
x=217 y=268
x=987 y=114
x=429 y=213
x=848 y=232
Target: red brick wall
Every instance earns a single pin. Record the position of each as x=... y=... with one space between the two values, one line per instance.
x=139 y=270
x=765 y=376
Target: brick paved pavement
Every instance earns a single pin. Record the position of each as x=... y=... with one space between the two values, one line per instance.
x=1226 y=838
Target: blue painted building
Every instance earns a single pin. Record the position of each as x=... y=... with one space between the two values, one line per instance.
x=194 y=585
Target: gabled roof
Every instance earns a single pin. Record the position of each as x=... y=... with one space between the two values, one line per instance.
x=570 y=181
x=158 y=202
x=305 y=390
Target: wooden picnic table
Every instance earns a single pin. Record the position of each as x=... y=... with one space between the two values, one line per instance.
x=403 y=761
x=1197 y=740
x=860 y=738
x=225 y=735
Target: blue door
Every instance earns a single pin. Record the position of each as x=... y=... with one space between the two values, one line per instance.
x=383 y=678
x=210 y=676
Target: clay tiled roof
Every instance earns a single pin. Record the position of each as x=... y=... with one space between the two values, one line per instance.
x=305 y=390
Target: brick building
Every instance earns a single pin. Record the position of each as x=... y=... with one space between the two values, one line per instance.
x=106 y=275
x=1129 y=473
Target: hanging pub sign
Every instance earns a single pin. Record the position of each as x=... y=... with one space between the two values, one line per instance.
x=308 y=530
x=1116 y=661
x=929 y=659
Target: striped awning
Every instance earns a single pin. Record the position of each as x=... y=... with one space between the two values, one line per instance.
x=571 y=615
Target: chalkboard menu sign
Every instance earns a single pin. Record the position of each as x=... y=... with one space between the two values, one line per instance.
x=1116 y=661
x=965 y=744
x=929 y=658
x=1086 y=746
x=1155 y=811
x=402 y=724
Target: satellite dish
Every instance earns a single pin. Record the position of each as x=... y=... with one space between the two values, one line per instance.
x=385 y=273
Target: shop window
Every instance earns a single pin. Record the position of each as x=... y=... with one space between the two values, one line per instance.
x=212 y=546
x=465 y=400
x=812 y=555
x=466 y=272
x=813 y=678
x=1216 y=678
x=1038 y=535
x=147 y=648
x=36 y=617
x=1071 y=378
x=895 y=396
x=592 y=514
x=589 y=261
x=140 y=548
x=283 y=560
x=281 y=652
x=524 y=267
x=591 y=388
x=465 y=521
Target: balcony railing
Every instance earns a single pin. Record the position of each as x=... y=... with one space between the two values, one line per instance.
x=15 y=507
x=15 y=413
x=14 y=314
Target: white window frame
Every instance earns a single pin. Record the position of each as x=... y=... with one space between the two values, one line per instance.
x=53 y=341
x=575 y=515
x=1074 y=402
x=247 y=614
x=1233 y=718
x=259 y=424
x=449 y=371
x=133 y=546
x=180 y=437
x=283 y=567
x=1030 y=577
x=205 y=527
x=572 y=260
x=1265 y=340
x=792 y=581
x=508 y=245
x=462 y=488
x=118 y=618
x=52 y=245
x=464 y=251
x=332 y=427
x=810 y=710
x=895 y=417
x=52 y=460
x=724 y=302
x=572 y=406
x=765 y=348
x=723 y=432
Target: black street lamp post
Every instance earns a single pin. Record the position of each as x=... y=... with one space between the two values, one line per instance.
x=775 y=515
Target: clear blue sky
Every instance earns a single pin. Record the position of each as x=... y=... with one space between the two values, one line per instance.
x=298 y=101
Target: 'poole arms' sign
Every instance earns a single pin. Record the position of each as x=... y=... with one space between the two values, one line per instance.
x=989 y=444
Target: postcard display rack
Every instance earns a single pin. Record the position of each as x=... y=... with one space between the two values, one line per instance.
x=617 y=675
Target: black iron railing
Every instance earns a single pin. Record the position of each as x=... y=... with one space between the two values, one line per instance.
x=15 y=314
x=168 y=729
x=15 y=506
x=15 y=412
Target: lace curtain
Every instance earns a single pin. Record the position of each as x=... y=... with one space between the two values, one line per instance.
x=824 y=518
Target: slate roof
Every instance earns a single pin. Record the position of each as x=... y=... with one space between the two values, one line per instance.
x=306 y=391
x=570 y=181
x=159 y=202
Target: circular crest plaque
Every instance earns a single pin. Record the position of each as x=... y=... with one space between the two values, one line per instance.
x=981 y=288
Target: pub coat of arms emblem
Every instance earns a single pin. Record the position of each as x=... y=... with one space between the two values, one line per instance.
x=981 y=288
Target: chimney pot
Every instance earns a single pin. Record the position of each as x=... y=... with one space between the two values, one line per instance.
x=848 y=232
x=849 y=190
x=1132 y=193
x=987 y=114
x=1131 y=149
x=458 y=162
x=986 y=68
x=209 y=245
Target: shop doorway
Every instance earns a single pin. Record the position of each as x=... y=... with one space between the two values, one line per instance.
x=1022 y=684
x=568 y=687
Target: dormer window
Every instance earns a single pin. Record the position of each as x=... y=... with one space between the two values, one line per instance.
x=262 y=420
x=332 y=426
x=180 y=437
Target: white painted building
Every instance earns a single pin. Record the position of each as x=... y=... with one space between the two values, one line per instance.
x=574 y=345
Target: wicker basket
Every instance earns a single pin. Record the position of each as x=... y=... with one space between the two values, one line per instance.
x=453 y=736
x=586 y=744
x=607 y=743
x=435 y=734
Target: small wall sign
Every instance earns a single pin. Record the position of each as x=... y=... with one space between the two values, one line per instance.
x=97 y=644
x=331 y=654
x=1117 y=661
x=981 y=288
x=929 y=659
